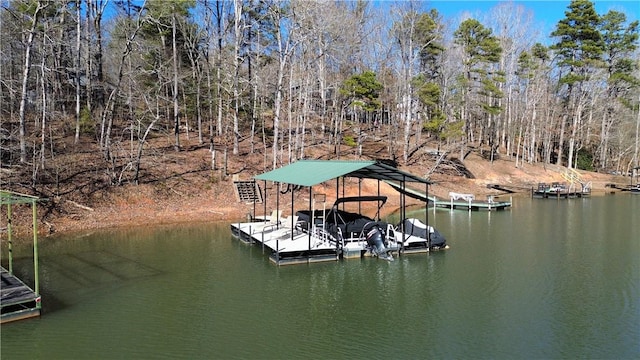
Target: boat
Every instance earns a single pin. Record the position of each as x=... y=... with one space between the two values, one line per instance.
x=359 y=235
x=415 y=236
x=340 y=231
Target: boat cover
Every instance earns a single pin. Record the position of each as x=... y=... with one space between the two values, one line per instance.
x=415 y=227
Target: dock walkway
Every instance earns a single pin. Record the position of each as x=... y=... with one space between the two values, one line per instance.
x=455 y=202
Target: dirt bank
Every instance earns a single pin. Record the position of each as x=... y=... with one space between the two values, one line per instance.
x=195 y=197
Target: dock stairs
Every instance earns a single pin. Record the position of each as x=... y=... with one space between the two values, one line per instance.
x=247 y=191
x=573 y=176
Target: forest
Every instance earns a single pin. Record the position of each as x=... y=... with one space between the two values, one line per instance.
x=274 y=78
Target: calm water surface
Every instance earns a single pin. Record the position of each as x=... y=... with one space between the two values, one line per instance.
x=546 y=279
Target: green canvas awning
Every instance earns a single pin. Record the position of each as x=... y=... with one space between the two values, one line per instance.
x=312 y=172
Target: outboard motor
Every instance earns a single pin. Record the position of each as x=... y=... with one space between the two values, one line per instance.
x=375 y=239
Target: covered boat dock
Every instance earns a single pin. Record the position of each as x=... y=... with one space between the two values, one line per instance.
x=291 y=240
x=18 y=300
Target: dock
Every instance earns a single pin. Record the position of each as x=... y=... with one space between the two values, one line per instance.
x=286 y=241
x=469 y=203
x=559 y=191
x=19 y=301
x=322 y=232
x=634 y=189
x=457 y=201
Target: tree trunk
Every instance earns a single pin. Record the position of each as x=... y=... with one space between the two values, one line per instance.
x=25 y=79
x=78 y=39
x=176 y=108
x=561 y=141
x=220 y=33
x=637 y=143
x=237 y=25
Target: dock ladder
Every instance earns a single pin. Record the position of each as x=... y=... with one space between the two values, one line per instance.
x=573 y=176
x=247 y=191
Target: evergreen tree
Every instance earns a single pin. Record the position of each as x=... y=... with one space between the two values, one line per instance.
x=579 y=50
x=480 y=77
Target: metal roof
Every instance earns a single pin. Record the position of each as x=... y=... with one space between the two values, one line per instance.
x=10 y=197
x=312 y=172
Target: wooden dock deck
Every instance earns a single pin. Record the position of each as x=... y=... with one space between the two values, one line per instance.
x=17 y=300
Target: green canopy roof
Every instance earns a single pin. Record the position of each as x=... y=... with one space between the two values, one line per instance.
x=10 y=197
x=312 y=172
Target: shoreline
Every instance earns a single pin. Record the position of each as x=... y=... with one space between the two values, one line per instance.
x=83 y=227
x=131 y=206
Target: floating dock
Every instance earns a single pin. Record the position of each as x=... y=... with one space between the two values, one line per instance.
x=19 y=301
x=315 y=233
x=470 y=204
x=559 y=191
x=634 y=189
x=456 y=201
x=286 y=241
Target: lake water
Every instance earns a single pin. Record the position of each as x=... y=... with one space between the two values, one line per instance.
x=546 y=279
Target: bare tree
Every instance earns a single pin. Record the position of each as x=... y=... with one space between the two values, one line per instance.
x=40 y=6
x=108 y=114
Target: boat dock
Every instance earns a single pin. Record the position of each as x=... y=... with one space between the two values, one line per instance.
x=17 y=300
x=559 y=191
x=469 y=203
x=286 y=241
x=457 y=201
x=324 y=232
x=635 y=189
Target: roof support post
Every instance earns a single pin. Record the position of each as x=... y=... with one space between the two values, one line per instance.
x=360 y=194
x=403 y=211
x=426 y=214
x=10 y=238
x=254 y=199
x=278 y=205
x=311 y=217
x=265 y=199
x=35 y=254
x=293 y=223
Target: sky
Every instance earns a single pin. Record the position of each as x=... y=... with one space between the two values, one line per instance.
x=546 y=13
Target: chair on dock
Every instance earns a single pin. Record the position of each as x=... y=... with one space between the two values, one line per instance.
x=290 y=221
x=274 y=218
